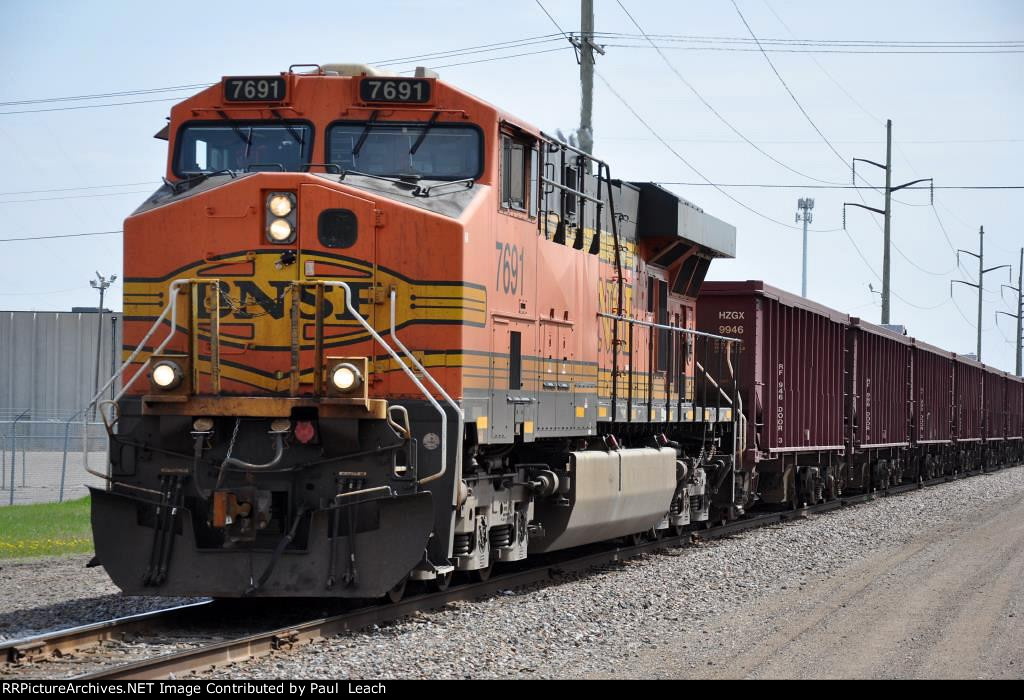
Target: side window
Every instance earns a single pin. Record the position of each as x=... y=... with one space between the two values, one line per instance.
x=518 y=176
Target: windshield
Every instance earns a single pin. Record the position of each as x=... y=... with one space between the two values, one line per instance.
x=436 y=152
x=240 y=146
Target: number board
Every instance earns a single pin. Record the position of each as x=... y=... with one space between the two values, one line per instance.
x=414 y=90
x=255 y=89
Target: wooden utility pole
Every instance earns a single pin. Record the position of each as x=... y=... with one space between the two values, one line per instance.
x=585 y=49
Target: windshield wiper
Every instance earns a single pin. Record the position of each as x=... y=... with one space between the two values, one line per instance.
x=247 y=140
x=366 y=132
x=296 y=134
x=423 y=135
x=398 y=182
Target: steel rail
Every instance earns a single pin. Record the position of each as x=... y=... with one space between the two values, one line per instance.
x=63 y=642
x=260 y=644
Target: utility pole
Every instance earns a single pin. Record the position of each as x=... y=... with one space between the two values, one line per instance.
x=805 y=205
x=585 y=48
x=1020 y=309
x=102 y=284
x=980 y=255
x=886 y=213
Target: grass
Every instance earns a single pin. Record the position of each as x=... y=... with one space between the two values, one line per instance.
x=45 y=529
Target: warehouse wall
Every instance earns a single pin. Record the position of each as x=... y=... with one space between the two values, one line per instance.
x=48 y=360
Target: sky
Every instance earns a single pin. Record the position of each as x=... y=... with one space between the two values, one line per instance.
x=955 y=116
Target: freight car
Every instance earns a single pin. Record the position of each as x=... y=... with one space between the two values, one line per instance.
x=378 y=330
x=835 y=404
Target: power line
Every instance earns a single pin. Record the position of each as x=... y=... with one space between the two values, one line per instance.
x=687 y=163
x=814 y=50
x=72 y=189
x=710 y=107
x=61 y=235
x=74 y=196
x=799 y=142
x=786 y=86
x=110 y=104
x=765 y=185
x=106 y=95
x=499 y=58
x=823 y=70
x=665 y=143
x=696 y=38
x=468 y=50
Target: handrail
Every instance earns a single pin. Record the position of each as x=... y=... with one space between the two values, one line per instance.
x=458 y=409
x=170 y=311
x=408 y=372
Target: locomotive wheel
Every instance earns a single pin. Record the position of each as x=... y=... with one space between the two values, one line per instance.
x=482 y=575
x=677 y=530
x=637 y=538
x=441 y=583
x=396 y=593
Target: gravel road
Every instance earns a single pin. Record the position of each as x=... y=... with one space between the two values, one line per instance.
x=925 y=584
x=948 y=604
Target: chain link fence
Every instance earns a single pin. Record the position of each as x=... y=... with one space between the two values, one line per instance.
x=43 y=455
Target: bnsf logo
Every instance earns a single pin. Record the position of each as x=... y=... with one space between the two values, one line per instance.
x=247 y=300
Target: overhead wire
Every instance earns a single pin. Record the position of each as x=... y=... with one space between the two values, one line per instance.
x=711 y=107
x=60 y=235
x=838 y=155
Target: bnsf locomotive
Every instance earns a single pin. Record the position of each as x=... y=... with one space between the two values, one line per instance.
x=377 y=330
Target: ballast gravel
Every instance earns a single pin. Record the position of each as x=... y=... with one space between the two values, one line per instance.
x=52 y=593
x=589 y=624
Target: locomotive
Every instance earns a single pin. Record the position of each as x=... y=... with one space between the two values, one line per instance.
x=378 y=331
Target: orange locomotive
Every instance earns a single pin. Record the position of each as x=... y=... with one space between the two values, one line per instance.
x=378 y=330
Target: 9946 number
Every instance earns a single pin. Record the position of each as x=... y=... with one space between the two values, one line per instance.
x=511 y=260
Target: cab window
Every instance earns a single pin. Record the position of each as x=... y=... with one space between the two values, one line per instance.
x=209 y=147
x=420 y=150
x=519 y=161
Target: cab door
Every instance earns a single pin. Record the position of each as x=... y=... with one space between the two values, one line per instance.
x=337 y=241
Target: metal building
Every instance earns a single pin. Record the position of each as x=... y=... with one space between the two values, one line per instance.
x=48 y=365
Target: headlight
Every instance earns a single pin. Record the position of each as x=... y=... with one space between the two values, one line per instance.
x=281 y=216
x=280 y=231
x=280 y=204
x=167 y=375
x=346 y=377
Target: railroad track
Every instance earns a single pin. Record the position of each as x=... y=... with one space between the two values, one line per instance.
x=205 y=656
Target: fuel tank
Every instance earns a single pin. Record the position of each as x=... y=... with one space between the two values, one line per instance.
x=610 y=494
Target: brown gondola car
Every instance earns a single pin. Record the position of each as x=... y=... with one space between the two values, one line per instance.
x=934 y=406
x=790 y=377
x=879 y=392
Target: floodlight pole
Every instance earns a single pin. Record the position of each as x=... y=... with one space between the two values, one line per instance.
x=102 y=284
x=805 y=205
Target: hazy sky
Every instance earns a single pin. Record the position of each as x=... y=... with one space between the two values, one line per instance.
x=956 y=118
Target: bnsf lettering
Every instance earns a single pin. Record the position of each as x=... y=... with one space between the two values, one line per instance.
x=248 y=300
x=730 y=315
